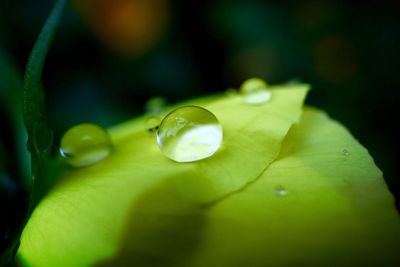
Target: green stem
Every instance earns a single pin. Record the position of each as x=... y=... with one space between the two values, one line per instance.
x=34 y=108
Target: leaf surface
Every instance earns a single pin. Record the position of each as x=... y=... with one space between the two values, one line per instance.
x=322 y=203
x=137 y=208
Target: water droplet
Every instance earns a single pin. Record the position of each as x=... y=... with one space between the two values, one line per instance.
x=230 y=92
x=346 y=154
x=294 y=81
x=189 y=134
x=280 y=191
x=155 y=106
x=152 y=123
x=85 y=144
x=254 y=92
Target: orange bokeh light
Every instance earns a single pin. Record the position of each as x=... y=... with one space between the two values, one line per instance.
x=130 y=27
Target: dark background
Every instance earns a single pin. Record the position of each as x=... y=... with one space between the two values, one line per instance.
x=110 y=56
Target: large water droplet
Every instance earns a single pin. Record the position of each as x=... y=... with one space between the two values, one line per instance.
x=85 y=144
x=254 y=92
x=189 y=134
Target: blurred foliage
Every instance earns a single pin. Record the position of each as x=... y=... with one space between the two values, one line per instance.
x=13 y=159
x=112 y=56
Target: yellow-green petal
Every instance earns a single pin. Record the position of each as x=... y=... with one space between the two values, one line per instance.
x=337 y=210
x=137 y=208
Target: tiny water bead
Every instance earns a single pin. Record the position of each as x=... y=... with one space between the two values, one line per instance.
x=155 y=106
x=189 y=133
x=345 y=154
x=230 y=92
x=85 y=144
x=280 y=191
x=254 y=91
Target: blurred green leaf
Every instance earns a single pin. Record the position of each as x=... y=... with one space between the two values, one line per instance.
x=13 y=159
x=11 y=89
x=10 y=84
x=12 y=209
x=266 y=198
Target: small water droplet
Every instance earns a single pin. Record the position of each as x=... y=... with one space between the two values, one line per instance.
x=254 y=92
x=152 y=123
x=155 y=106
x=280 y=191
x=85 y=144
x=294 y=81
x=346 y=154
x=230 y=92
x=189 y=133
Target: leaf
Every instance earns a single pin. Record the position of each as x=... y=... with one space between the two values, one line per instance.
x=13 y=205
x=40 y=135
x=337 y=211
x=11 y=88
x=137 y=208
x=10 y=84
x=13 y=160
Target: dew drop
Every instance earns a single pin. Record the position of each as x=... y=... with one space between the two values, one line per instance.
x=85 y=144
x=345 y=154
x=152 y=123
x=254 y=92
x=294 y=81
x=231 y=92
x=280 y=191
x=189 y=133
